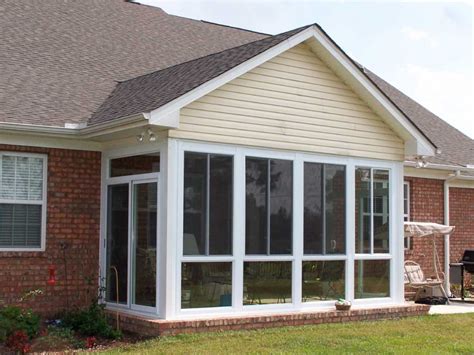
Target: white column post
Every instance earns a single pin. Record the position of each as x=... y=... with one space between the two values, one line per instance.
x=397 y=235
x=298 y=220
x=239 y=231
x=350 y=229
x=168 y=238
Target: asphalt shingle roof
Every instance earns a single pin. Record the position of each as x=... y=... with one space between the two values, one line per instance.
x=91 y=61
x=151 y=91
x=60 y=59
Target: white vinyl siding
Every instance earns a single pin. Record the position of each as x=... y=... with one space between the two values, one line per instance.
x=291 y=102
x=22 y=201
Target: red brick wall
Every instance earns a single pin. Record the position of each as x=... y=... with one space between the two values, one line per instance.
x=461 y=215
x=72 y=220
x=427 y=205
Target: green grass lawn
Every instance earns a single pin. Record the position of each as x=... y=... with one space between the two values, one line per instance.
x=421 y=335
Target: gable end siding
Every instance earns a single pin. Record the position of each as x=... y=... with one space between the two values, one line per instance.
x=292 y=102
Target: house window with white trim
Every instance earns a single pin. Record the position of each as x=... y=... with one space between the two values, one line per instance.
x=406 y=211
x=372 y=265
x=324 y=232
x=268 y=230
x=22 y=201
x=207 y=230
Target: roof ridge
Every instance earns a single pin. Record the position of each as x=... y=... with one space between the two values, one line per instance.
x=296 y=30
x=234 y=27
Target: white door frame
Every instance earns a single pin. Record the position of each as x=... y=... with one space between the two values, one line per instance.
x=132 y=180
x=120 y=150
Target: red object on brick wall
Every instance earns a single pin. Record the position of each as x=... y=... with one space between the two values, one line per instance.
x=73 y=220
x=52 y=275
x=427 y=205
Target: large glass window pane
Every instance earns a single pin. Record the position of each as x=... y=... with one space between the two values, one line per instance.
x=137 y=164
x=381 y=211
x=335 y=208
x=256 y=220
x=267 y=282
x=206 y=285
x=363 y=210
x=324 y=209
x=323 y=280
x=194 y=204
x=220 y=205
x=208 y=204
x=281 y=206
x=313 y=209
x=372 y=278
x=269 y=206
x=117 y=243
x=144 y=249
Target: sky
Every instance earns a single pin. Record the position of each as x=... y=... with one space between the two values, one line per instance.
x=425 y=49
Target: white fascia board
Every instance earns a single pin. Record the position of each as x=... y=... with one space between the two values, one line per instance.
x=416 y=142
x=440 y=167
x=169 y=120
x=231 y=74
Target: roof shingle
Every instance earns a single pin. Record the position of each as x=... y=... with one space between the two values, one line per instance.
x=95 y=60
x=60 y=59
x=151 y=91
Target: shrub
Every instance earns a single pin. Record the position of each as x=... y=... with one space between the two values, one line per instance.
x=14 y=319
x=91 y=322
x=18 y=341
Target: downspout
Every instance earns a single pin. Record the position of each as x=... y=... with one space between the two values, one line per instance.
x=446 y=236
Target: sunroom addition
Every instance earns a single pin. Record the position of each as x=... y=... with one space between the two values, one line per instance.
x=256 y=231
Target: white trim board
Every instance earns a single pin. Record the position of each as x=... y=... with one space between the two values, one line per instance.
x=325 y=48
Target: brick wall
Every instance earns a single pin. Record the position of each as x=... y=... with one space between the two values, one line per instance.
x=152 y=327
x=427 y=205
x=72 y=221
x=461 y=215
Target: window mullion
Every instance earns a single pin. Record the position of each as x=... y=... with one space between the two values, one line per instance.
x=268 y=205
x=208 y=184
x=323 y=195
x=371 y=211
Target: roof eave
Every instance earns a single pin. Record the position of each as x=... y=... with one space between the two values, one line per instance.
x=78 y=132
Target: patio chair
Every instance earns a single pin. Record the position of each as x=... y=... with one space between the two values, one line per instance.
x=416 y=279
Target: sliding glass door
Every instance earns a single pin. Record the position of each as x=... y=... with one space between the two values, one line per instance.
x=131 y=261
x=117 y=243
x=144 y=213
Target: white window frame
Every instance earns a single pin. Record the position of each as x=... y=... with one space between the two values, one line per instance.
x=395 y=255
x=406 y=214
x=380 y=256
x=372 y=212
x=43 y=202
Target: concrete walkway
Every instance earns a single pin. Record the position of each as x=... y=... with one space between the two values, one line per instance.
x=452 y=308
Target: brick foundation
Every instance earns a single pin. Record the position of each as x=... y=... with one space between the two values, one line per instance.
x=149 y=327
x=72 y=221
